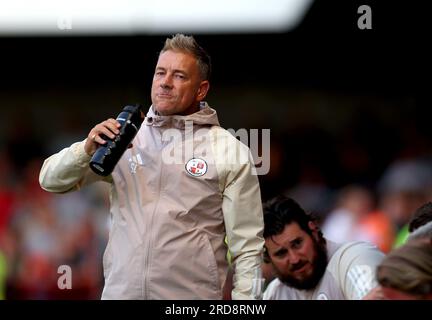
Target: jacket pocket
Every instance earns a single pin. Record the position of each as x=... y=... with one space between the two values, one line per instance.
x=211 y=264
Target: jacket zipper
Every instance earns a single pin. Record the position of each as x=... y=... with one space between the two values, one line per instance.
x=150 y=228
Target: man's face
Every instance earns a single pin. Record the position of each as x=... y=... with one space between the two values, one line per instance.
x=177 y=87
x=298 y=258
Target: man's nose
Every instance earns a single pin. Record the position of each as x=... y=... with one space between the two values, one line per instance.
x=166 y=82
x=293 y=257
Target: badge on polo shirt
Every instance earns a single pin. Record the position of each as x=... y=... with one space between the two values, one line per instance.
x=196 y=167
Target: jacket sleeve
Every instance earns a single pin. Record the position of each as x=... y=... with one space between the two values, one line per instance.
x=242 y=210
x=68 y=170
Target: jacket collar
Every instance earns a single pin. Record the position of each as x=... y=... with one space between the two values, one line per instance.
x=205 y=116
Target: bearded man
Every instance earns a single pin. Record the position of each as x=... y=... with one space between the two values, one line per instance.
x=309 y=267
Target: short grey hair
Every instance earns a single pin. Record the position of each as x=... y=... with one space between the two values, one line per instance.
x=187 y=44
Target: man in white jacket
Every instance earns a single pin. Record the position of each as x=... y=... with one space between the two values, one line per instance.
x=171 y=214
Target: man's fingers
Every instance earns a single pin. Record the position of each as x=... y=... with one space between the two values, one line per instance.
x=99 y=140
x=107 y=132
x=106 y=129
x=114 y=122
x=112 y=126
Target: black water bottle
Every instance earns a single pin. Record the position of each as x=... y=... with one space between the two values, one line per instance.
x=106 y=156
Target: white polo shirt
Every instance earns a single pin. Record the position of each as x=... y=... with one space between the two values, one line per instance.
x=350 y=275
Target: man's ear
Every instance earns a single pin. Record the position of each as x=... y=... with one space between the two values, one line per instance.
x=266 y=256
x=202 y=90
x=312 y=226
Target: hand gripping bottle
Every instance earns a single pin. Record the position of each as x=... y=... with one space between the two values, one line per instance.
x=107 y=155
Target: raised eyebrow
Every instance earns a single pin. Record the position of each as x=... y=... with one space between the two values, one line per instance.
x=296 y=240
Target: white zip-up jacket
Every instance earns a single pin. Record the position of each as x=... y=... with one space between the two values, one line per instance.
x=174 y=196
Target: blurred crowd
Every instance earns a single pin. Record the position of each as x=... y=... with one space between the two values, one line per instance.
x=39 y=232
x=359 y=191
x=381 y=215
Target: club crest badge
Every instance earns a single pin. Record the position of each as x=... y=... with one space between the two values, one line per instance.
x=196 y=167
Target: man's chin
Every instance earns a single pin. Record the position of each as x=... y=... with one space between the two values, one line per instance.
x=164 y=110
x=301 y=284
x=305 y=282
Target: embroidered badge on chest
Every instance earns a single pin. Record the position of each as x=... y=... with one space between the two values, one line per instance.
x=196 y=167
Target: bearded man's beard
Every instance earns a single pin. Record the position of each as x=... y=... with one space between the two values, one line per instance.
x=319 y=266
